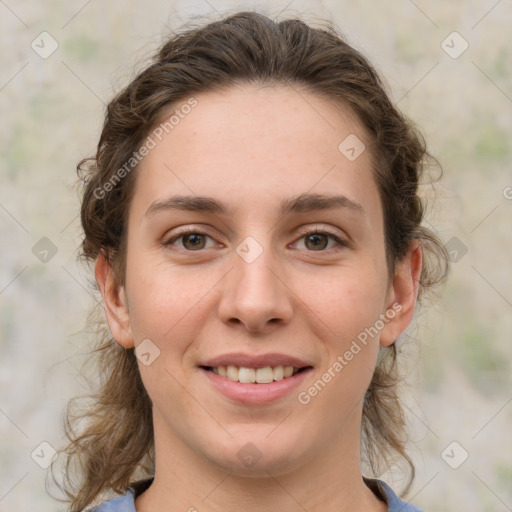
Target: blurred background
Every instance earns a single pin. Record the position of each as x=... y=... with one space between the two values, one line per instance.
x=449 y=67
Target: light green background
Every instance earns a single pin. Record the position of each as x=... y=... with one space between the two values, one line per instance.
x=52 y=111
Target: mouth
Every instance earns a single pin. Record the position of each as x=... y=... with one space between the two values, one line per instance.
x=262 y=375
x=258 y=383
x=255 y=379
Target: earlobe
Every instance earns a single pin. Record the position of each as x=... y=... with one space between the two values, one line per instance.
x=403 y=292
x=115 y=303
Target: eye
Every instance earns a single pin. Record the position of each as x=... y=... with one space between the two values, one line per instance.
x=315 y=240
x=192 y=240
x=318 y=241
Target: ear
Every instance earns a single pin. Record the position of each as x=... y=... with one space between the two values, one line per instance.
x=114 y=299
x=402 y=295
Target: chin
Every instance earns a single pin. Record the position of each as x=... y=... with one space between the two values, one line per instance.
x=256 y=454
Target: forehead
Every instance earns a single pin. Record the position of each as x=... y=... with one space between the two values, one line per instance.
x=254 y=146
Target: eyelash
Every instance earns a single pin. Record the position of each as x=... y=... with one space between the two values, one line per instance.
x=341 y=243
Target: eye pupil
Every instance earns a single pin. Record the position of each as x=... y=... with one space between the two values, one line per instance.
x=196 y=240
x=317 y=240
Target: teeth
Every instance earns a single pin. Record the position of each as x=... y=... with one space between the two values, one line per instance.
x=259 y=375
x=288 y=371
x=232 y=373
x=279 y=372
x=264 y=375
x=247 y=375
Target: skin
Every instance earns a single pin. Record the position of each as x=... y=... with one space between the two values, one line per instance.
x=251 y=147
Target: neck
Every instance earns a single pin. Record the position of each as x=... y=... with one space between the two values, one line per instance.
x=327 y=481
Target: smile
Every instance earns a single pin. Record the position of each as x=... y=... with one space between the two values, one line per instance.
x=255 y=392
x=263 y=375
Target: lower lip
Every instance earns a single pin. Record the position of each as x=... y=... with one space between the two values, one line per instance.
x=255 y=394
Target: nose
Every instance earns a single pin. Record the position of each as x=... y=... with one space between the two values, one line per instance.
x=256 y=294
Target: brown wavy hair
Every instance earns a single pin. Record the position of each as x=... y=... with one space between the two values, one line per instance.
x=111 y=437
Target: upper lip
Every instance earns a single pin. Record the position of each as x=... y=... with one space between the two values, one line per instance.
x=255 y=361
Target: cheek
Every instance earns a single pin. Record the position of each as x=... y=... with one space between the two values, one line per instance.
x=166 y=303
x=350 y=343
x=348 y=311
x=347 y=301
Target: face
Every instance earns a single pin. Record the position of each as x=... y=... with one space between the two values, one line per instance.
x=282 y=270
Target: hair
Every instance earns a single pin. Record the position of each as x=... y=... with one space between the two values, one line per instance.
x=117 y=441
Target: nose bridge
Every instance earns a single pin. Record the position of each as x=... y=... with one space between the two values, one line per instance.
x=254 y=294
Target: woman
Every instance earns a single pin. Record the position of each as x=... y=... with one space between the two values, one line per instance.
x=253 y=216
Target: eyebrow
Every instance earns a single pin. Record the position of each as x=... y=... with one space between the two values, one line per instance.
x=302 y=203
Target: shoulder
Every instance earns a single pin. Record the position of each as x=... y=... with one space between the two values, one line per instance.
x=395 y=504
x=125 y=503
